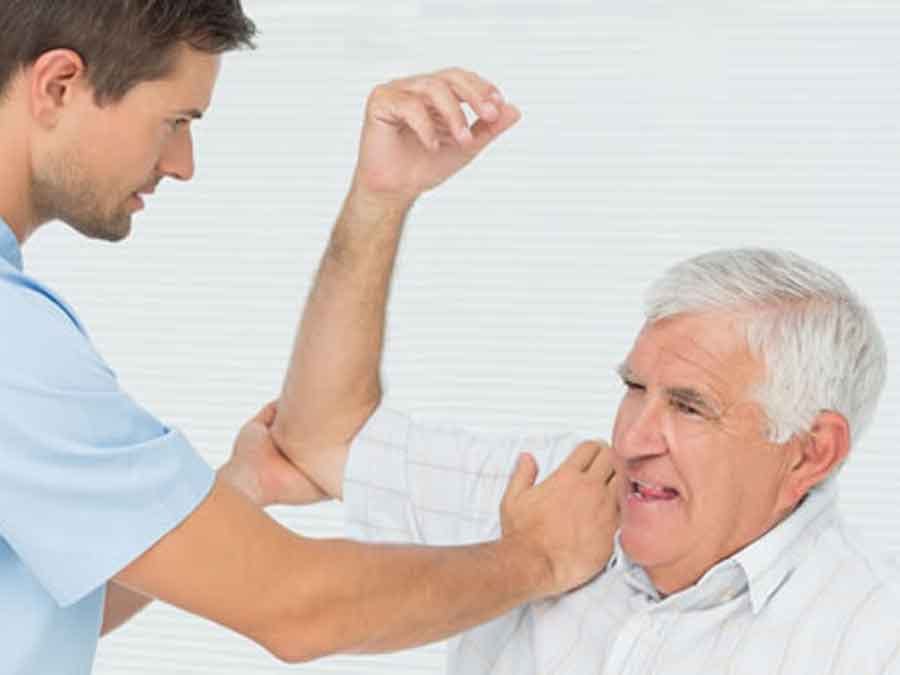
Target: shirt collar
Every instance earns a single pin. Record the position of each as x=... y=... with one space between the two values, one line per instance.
x=761 y=567
x=769 y=560
x=10 y=250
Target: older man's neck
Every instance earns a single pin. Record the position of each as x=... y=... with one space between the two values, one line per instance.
x=671 y=579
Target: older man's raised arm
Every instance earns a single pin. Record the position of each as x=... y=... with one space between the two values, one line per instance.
x=333 y=383
x=415 y=137
x=305 y=598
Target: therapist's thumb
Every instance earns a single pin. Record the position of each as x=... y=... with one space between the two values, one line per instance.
x=523 y=476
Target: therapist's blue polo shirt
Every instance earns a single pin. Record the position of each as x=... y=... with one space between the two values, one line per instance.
x=88 y=479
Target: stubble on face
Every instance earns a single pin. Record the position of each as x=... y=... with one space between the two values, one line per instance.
x=65 y=191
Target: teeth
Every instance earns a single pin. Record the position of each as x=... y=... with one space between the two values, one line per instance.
x=636 y=486
x=650 y=486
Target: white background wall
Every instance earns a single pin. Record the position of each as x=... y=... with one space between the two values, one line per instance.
x=649 y=134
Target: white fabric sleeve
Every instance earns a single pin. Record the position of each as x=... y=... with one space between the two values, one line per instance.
x=435 y=484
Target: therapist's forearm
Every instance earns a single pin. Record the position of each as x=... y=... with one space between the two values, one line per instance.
x=333 y=382
x=410 y=596
x=123 y=604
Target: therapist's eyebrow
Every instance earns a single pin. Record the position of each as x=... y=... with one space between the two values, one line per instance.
x=626 y=373
x=193 y=113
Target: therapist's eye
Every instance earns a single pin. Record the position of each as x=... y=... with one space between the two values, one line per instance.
x=631 y=385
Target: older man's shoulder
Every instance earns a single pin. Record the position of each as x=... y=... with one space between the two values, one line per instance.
x=873 y=562
x=853 y=575
x=845 y=596
x=848 y=551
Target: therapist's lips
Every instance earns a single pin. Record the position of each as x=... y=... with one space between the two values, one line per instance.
x=138 y=197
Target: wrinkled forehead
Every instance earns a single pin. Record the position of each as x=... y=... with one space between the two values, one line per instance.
x=708 y=352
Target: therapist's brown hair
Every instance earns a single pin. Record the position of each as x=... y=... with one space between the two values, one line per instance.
x=122 y=42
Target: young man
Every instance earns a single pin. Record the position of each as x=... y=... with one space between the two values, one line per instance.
x=101 y=505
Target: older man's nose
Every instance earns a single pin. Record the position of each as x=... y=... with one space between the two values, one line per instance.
x=643 y=434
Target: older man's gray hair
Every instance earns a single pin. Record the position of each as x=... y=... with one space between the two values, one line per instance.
x=819 y=344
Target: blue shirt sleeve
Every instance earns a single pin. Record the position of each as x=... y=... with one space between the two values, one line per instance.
x=88 y=479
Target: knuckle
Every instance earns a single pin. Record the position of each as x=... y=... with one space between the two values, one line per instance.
x=427 y=82
x=467 y=79
x=381 y=90
x=479 y=83
x=415 y=106
x=439 y=90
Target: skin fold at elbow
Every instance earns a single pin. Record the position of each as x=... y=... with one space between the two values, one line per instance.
x=311 y=639
x=304 y=443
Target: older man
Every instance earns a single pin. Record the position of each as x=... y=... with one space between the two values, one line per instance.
x=753 y=375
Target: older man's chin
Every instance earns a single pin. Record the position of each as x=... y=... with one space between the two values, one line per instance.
x=646 y=530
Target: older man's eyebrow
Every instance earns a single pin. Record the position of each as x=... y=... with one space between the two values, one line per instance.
x=691 y=397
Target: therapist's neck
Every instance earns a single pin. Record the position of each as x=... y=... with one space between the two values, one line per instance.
x=21 y=233
x=15 y=203
x=16 y=207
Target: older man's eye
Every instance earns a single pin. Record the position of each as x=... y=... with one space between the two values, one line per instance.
x=633 y=386
x=685 y=408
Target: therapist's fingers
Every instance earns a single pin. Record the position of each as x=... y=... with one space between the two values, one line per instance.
x=583 y=456
x=602 y=465
x=523 y=477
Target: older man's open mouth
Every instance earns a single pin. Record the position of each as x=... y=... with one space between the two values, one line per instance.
x=643 y=491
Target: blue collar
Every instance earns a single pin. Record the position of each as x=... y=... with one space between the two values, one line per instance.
x=10 y=251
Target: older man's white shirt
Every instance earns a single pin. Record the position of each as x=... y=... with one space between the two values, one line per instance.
x=805 y=598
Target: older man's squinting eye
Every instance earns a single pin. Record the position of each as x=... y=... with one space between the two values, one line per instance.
x=685 y=408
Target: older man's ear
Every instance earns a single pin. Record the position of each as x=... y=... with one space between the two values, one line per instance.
x=818 y=454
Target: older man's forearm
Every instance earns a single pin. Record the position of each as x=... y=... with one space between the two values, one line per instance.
x=333 y=383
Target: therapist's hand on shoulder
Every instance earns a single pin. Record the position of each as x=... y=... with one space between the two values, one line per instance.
x=571 y=517
x=259 y=470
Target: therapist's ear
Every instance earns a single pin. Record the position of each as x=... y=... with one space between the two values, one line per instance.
x=54 y=79
x=816 y=455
